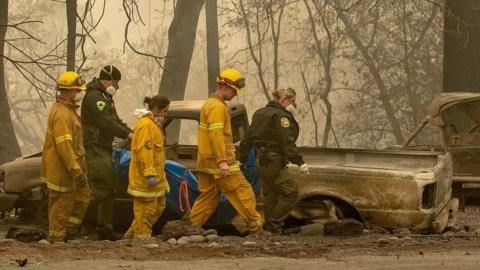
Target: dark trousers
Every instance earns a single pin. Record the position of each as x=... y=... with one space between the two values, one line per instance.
x=102 y=182
x=280 y=194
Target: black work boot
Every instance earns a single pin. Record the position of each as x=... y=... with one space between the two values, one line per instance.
x=108 y=235
x=71 y=236
x=273 y=229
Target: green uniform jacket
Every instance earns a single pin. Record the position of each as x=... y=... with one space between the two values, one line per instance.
x=100 y=119
x=276 y=127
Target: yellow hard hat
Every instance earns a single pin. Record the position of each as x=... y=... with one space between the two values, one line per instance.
x=232 y=78
x=71 y=80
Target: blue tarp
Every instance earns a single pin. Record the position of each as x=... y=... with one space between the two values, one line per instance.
x=122 y=162
x=175 y=172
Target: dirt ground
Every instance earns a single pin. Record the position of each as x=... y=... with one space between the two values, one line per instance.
x=371 y=250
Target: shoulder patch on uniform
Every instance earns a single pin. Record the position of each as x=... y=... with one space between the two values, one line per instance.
x=148 y=145
x=285 y=122
x=101 y=105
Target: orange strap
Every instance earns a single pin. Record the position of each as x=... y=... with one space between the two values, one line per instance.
x=184 y=186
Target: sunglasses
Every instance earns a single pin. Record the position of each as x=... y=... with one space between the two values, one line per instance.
x=79 y=81
x=240 y=83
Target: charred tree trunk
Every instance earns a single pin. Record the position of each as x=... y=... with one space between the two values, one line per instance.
x=9 y=147
x=461 y=50
x=181 y=41
x=213 y=54
x=461 y=46
x=72 y=33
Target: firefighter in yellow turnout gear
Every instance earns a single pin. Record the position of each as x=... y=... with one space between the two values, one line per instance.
x=217 y=169
x=147 y=180
x=63 y=161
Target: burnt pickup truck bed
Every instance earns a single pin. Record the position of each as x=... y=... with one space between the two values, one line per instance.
x=386 y=188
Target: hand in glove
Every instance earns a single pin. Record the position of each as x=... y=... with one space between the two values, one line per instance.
x=81 y=180
x=304 y=169
x=152 y=181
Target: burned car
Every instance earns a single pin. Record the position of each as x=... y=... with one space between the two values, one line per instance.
x=456 y=116
x=20 y=185
x=387 y=188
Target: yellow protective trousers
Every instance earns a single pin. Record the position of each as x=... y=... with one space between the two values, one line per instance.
x=146 y=212
x=238 y=192
x=66 y=211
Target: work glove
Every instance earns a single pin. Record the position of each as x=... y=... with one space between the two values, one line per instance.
x=81 y=180
x=304 y=169
x=152 y=181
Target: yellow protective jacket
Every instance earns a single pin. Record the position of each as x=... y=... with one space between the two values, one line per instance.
x=215 y=140
x=148 y=159
x=63 y=157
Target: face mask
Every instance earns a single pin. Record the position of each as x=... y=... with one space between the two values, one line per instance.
x=111 y=90
x=291 y=108
x=160 y=119
x=79 y=96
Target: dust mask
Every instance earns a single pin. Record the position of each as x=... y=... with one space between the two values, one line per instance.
x=160 y=119
x=79 y=96
x=111 y=90
x=291 y=108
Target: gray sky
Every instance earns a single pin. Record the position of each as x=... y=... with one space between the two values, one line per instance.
x=111 y=29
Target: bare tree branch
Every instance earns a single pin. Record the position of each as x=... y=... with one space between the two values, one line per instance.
x=258 y=60
x=44 y=63
x=131 y=8
x=307 y=94
x=25 y=21
x=86 y=30
x=346 y=8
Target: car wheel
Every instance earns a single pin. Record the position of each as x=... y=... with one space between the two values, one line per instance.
x=323 y=209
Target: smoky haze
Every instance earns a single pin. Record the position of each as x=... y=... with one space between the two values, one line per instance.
x=369 y=71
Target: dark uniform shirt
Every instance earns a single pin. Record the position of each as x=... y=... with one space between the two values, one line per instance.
x=99 y=117
x=275 y=128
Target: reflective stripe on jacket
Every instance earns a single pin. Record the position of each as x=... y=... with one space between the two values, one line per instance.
x=63 y=157
x=215 y=140
x=148 y=159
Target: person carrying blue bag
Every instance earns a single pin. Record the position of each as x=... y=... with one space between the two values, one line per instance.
x=147 y=182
